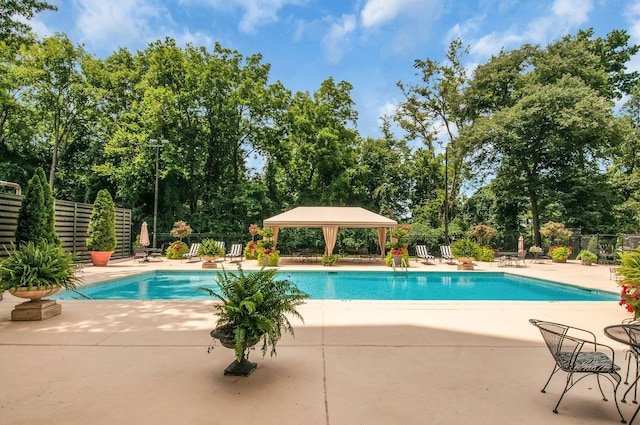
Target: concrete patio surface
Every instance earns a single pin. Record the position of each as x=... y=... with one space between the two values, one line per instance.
x=351 y=362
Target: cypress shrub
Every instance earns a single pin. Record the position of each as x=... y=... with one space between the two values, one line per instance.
x=102 y=224
x=32 y=216
x=49 y=207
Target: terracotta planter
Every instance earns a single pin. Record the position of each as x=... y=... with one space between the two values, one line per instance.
x=465 y=260
x=585 y=262
x=564 y=260
x=100 y=258
x=34 y=294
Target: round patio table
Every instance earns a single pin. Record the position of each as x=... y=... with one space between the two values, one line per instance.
x=628 y=334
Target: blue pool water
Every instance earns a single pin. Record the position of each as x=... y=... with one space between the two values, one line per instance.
x=346 y=285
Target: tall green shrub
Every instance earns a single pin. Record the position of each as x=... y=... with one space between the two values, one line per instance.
x=102 y=224
x=32 y=215
x=49 y=208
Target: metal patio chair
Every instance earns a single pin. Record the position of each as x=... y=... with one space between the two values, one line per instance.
x=576 y=351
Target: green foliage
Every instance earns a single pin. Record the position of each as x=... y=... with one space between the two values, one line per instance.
x=14 y=15
x=330 y=260
x=555 y=231
x=210 y=248
x=485 y=254
x=273 y=256
x=630 y=271
x=102 y=224
x=181 y=230
x=32 y=216
x=586 y=255
x=251 y=250
x=37 y=265
x=482 y=233
x=254 y=306
x=465 y=248
x=559 y=253
x=176 y=250
x=50 y=212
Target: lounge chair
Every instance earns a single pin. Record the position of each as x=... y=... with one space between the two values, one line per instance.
x=235 y=252
x=139 y=254
x=576 y=351
x=193 y=252
x=423 y=254
x=445 y=252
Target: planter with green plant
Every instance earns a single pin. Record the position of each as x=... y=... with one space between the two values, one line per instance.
x=465 y=251
x=34 y=270
x=398 y=247
x=560 y=253
x=587 y=257
x=253 y=306
x=209 y=250
x=267 y=255
x=102 y=229
x=629 y=271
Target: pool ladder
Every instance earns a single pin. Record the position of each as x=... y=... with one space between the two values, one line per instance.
x=403 y=265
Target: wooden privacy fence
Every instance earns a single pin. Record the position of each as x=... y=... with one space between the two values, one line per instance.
x=72 y=221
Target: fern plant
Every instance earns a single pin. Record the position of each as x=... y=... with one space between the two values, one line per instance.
x=254 y=306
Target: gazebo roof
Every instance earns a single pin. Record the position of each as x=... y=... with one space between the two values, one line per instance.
x=329 y=216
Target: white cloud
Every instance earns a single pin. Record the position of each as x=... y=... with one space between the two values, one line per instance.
x=564 y=17
x=574 y=12
x=335 y=41
x=117 y=22
x=378 y=12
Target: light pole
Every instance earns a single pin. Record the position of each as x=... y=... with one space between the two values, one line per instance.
x=156 y=144
x=446 y=194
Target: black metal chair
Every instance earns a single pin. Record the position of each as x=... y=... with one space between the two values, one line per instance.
x=576 y=351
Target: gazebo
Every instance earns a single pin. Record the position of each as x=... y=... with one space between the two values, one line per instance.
x=330 y=219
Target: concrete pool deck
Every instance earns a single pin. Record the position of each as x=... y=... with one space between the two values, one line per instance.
x=352 y=362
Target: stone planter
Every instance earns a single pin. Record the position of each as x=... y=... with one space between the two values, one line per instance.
x=466 y=263
x=209 y=262
x=562 y=260
x=37 y=308
x=34 y=294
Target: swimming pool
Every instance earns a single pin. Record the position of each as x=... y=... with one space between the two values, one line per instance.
x=347 y=285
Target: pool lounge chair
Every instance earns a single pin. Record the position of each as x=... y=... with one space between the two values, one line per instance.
x=576 y=351
x=193 y=252
x=235 y=252
x=423 y=254
x=445 y=252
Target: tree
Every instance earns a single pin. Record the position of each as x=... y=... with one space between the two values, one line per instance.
x=50 y=213
x=437 y=103
x=13 y=29
x=32 y=215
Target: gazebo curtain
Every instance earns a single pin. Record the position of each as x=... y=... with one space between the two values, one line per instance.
x=382 y=239
x=330 y=235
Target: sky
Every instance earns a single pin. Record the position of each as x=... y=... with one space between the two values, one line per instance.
x=372 y=44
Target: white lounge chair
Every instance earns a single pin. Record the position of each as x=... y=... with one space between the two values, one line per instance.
x=193 y=252
x=235 y=252
x=423 y=254
x=445 y=252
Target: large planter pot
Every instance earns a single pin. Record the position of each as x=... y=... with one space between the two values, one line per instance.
x=397 y=260
x=560 y=260
x=209 y=262
x=34 y=294
x=100 y=258
x=585 y=262
x=226 y=338
x=466 y=263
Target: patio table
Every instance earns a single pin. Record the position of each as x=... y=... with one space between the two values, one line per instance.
x=628 y=334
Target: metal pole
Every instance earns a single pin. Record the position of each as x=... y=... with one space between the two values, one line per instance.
x=157 y=145
x=446 y=195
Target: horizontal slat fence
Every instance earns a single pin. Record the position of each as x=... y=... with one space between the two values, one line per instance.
x=72 y=221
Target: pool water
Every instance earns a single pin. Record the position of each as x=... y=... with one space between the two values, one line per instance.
x=345 y=285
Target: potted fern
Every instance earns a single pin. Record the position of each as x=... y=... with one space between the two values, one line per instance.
x=465 y=251
x=209 y=250
x=587 y=257
x=253 y=306
x=102 y=229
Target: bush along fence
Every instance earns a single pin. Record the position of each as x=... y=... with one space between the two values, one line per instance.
x=72 y=221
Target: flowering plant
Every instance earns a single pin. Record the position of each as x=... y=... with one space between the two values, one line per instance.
x=630 y=270
x=555 y=231
x=482 y=233
x=535 y=249
x=560 y=252
x=181 y=230
x=398 y=251
x=176 y=249
x=250 y=250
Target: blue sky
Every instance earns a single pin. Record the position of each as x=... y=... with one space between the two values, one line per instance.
x=370 y=43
